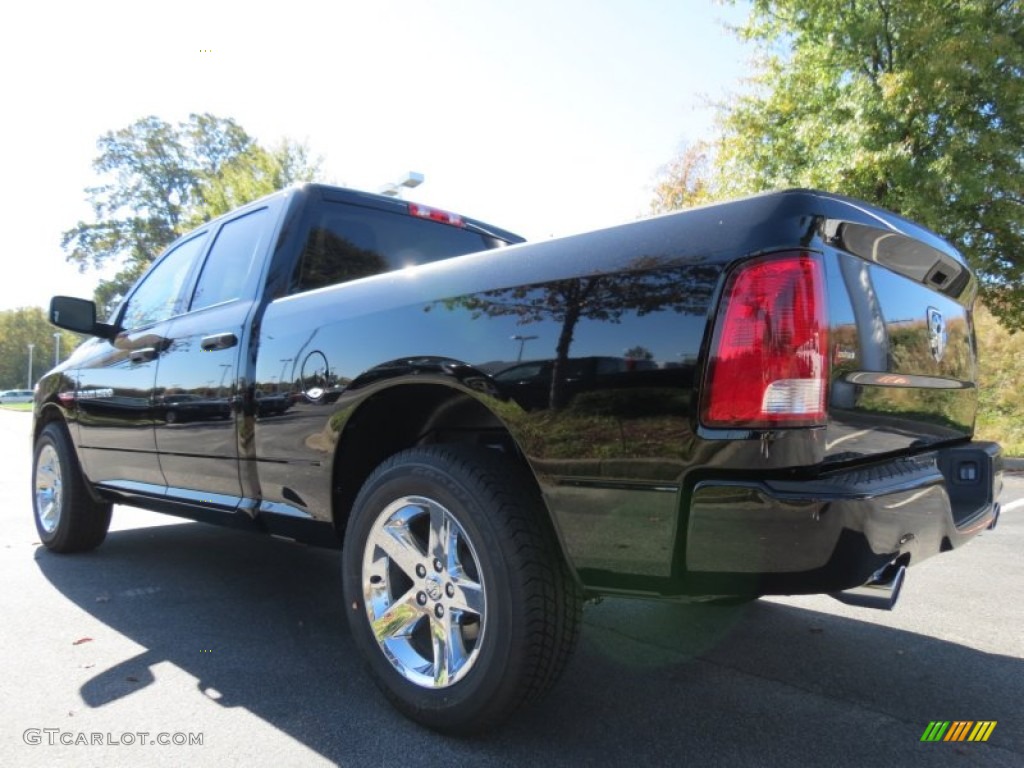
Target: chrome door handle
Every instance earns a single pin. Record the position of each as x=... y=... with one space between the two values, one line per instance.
x=218 y=341
x=143 y=355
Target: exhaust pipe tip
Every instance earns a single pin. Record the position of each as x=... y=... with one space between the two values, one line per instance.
x=880 y=592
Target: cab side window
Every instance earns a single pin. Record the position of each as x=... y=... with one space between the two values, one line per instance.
x=159 y=296
x=347 y=242
x=231 y=260
x=339 y=248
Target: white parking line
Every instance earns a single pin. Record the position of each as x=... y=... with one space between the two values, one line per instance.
x=844 y=438
x=1013 y=505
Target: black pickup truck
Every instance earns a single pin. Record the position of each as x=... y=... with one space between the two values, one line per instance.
x=794 y=415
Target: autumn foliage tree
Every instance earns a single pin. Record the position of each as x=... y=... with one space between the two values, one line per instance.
x=915 y=105
x=688 y=180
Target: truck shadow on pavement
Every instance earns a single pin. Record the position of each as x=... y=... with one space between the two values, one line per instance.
x=259 y=623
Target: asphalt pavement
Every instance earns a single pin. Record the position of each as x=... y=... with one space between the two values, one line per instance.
x=181 y=632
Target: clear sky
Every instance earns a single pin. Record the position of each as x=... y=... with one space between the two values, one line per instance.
x=546 y=117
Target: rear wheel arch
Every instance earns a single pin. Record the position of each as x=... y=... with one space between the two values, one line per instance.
x=409 y=415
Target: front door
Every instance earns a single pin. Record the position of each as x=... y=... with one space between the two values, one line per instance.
x=114 y=396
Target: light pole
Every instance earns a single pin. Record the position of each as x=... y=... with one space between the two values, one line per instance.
x=30 y=348
x=223 y=375
x=56 y=349
x=280 y=379
x=394 y=189
x=522 y=343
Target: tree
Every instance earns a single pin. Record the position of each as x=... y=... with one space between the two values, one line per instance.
x=915 y=105
x=252 y=174
x=686 y=181
x=638 y=352
x=18 y=329
x=160 y=180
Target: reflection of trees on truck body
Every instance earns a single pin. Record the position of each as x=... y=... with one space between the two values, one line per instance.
x=650 y=287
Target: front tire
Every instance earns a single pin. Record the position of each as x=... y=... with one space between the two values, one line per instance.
x=457 y=593
x=67 y=517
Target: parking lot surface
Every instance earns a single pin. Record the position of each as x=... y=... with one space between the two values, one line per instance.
x=176 y=630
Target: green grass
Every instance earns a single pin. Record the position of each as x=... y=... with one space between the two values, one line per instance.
x=1001 y=384
x=17 y=406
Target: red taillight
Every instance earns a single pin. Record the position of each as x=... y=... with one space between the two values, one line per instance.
x=768 y=365
x=436 y=215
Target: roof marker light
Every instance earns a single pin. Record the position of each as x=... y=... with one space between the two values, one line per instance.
x=435 y=214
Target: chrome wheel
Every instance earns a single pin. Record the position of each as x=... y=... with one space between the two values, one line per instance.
x=48 y=489
x=424 y=593
x=455 y=589
x=68 y=517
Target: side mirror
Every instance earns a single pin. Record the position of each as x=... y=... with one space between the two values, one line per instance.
x=77 y=315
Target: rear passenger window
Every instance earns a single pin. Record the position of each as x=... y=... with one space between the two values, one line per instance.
x=346 y=242
x=230 y=260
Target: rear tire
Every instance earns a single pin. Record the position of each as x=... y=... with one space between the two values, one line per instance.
x=456 y=590
x=67 y=517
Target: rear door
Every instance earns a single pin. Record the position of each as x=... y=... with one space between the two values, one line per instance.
x=197 y=395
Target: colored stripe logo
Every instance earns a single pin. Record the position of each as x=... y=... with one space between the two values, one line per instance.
x=959 y=730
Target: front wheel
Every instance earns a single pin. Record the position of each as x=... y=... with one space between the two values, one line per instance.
x=67 y=517
x=458 y=595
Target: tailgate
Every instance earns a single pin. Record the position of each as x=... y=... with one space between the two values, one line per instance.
x=902 y=343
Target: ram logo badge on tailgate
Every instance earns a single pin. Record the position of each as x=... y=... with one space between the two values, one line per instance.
x=936 y=333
